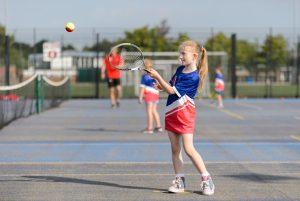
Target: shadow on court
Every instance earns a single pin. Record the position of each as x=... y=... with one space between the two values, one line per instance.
x=105 y=130
x=57 y=179
x=86 y=182
x=265 y=178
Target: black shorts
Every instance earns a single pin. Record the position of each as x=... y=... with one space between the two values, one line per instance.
x=113 y=82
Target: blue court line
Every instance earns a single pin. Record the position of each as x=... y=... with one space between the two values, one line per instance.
x=146 y=152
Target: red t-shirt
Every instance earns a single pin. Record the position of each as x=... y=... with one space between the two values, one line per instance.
x=112 y=72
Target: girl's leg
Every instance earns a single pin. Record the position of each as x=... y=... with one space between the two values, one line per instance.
x=149 y=116
x=156 y=115
x=207 y=185
x=220 y=101
x=112 y=96
x=119 y=94
x=190 y=150
x=178 y=185
x=176 y=152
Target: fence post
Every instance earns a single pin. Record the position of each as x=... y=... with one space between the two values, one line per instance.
x=233 y=66
x=298 y=67
x=97 y=68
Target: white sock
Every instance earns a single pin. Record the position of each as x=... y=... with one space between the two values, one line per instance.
x=205 y=175
x=179 y=175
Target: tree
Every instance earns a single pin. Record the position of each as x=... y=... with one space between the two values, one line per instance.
x=2 y=43
x=275 y=50
x=68 y=47
x=104 y=46
x=148 y=39
x=39 y=46
x=219 y=42
x=246 y=53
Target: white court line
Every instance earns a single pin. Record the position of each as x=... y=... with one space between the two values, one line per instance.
x=232 y=114
x=249 y=106
x=113 y=174
x=141 y=143
x=295 y=137
x=145 y=163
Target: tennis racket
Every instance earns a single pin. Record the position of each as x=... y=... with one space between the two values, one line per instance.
x=127 y=57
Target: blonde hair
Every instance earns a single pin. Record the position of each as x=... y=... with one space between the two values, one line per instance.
x=202 y=66
x=148 y=63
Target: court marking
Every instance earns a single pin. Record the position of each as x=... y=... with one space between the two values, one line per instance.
x=232 y=114
x=295 y=137
x=144 y=163
x=229 y=113
x=297 y=117
x=249 y=106
x=115 y=174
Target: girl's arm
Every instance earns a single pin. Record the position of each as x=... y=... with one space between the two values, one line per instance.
x=142 y=90
x=103 y=71
x=165 y=85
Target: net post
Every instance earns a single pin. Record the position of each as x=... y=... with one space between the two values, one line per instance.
x=69 y=92
x=37 y=94
x=42 y=93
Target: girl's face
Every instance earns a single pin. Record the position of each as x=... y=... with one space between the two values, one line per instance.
x=148 y=64
x=188 y=56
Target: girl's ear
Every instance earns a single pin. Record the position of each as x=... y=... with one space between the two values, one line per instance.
x=196 y=55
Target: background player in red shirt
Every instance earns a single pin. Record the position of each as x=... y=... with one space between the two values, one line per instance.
x=113 y=77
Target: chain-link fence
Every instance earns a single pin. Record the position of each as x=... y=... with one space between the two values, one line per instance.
x=267 y=59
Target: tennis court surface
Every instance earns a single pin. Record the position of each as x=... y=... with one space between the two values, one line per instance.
x=84 y=150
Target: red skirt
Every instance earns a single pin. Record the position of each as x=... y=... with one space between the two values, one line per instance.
x=181 y=119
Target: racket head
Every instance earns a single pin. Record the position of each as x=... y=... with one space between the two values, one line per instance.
x=126 y=56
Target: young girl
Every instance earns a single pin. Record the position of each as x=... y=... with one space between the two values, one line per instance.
x=150 y=95
x=219 y=86
x=180 y=115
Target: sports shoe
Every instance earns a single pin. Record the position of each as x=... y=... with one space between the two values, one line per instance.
x=118 y=104
x=178 y=185
x=113 y=106
x=220 y=106
x=207 y=187
x=147 y=131
x=158 y=130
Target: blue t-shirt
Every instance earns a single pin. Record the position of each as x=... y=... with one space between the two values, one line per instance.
x=147 y=80
x=183 y=84
x=219 y=76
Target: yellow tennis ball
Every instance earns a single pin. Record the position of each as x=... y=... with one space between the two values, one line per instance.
x=70 y=27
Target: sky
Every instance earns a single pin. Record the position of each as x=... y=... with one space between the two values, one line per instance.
x=119 y=15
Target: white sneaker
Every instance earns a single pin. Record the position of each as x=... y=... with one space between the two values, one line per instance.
x=220 y=106
x=208 y=187
x=147 y=131
x=158 y=130
x=178 y=185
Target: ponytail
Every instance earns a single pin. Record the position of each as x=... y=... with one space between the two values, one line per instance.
x=202 y=68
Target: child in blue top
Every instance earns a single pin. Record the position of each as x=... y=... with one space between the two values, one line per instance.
x=150 y=95
x=181 y=113
x=219 y=85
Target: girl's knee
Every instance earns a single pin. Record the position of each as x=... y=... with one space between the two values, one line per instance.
x=189 y=151
x=176 y=151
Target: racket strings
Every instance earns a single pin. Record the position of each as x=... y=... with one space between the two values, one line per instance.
x=132 y=57
x=132 y=60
